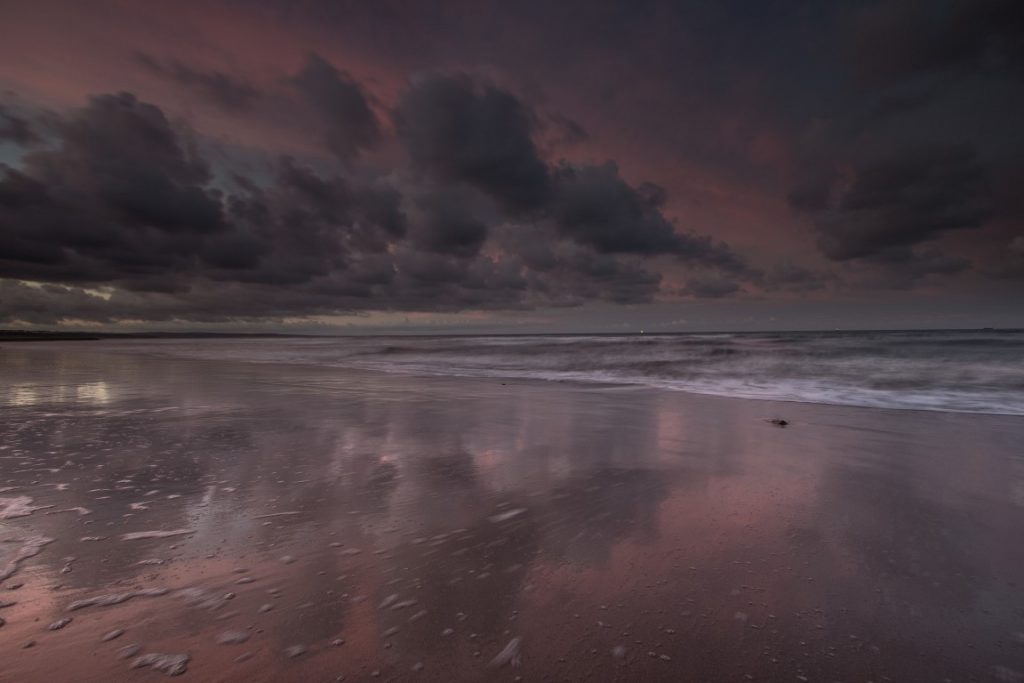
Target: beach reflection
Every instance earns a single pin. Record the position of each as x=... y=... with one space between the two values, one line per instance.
x=428 y=522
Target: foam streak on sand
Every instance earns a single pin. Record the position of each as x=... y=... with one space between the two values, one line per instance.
x=80 y=510
x=504 y=516
x=172 y=665
x=510 y=655
x=138 y=535
x=19 y=506
x=116 y=598
x=32 y=547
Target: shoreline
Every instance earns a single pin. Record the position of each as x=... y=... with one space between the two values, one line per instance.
x=219 y=364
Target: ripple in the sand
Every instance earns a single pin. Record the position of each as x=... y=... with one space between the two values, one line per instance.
x=509 y=655
x=203 y=599
x=172 y=665
x=59 y=624
x=129 y=651
x=232 y=638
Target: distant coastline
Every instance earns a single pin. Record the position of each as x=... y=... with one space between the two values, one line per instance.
x=50 y=335
x=59 y=335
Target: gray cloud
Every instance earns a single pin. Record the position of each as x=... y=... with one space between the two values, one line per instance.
x=913 y=38
x=123 y=195
x=123 y=201
x=15 y=128
x=230 y=93
x=458 y=130
x=795 y=278
x=343 y=105
x=447 y=225
x=594 y=206
x=906 y=198
x=710 y=287
x=906 y=268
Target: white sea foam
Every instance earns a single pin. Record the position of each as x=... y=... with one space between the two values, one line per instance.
x=959 y=371
x=116 y=598
x=18 y=506
x=30 y=548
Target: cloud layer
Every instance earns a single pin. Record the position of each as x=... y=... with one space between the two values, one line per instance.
x=302 y=159
x=121 y=200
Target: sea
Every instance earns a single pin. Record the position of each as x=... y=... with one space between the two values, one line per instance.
x=972 y=371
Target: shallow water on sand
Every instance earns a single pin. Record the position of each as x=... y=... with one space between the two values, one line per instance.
x=265 y=522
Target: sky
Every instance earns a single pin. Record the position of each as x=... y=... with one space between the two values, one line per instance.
x=484 y=166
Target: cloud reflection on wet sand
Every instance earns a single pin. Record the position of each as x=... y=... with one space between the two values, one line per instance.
x=348 y=524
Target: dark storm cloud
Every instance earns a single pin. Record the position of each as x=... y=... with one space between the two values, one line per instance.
x=904 y=268
x=710 y=287
x=925 y=262
x=795 y=278
x=303 y=226
x=890 y=104
x=920 y=146
x=594 y=206
x=564 y=132
x=121 y=218
x=343 y=104
x=565 y=273
x=913 y=38
x=128 y=156
x=904 y=199
x=1010 y=265
x=15 y=128
x=122 y=195
x=227 y=92
x=447 y=224
x=893 y=123
x=457 y=129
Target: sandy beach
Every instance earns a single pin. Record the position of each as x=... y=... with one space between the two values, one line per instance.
x=280 y=522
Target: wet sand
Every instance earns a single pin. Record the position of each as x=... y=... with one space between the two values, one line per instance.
x=315 y=524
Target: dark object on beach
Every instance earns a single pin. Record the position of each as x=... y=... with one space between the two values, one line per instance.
x=779 y=422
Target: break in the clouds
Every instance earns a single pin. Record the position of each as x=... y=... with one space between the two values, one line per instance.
x=312 y=159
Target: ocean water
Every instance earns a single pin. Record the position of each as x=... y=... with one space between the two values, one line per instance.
x=960 y=371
